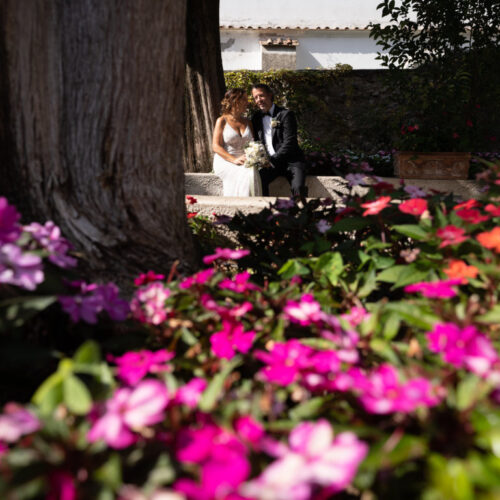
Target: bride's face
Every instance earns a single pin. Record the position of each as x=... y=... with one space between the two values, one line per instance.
x=241 y=105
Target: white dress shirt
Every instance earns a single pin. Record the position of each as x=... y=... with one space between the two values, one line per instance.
x=268 y=132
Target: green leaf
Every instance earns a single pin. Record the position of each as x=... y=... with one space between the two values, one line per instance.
x=369 y=284
x=50 y=393
x=391 y=326
x=214 y=389
x=391 y=275
x=18 y=310
x=308 y=409
x=492 y=316
x=110 y=473
x=293 y=268
x=76 y=396
x=349 y=224
x=412 y=231
x=411 y=274
x=413 y=314
x=88 y=353
x=331 y=265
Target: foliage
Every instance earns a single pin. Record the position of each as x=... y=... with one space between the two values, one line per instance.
x=355 y=351
x=446 y=104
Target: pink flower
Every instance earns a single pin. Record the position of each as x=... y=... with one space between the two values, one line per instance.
x=197 y=279
x=129 y=410
x=314 y=458
x=415 y=191
x=382 y=392
x=451 y=235
x=463 y=347
x=493 y=210
x=435 y=289
x=375 y=207
x=49 y=238
x=21 y=269
x=356 y=316
x=190 y=393
x=134 y=366
x=415 y=206
x=225 y=254
x=9 y=217
x=16 y=421
x=230 y=339
x=356 y=179
x=149 y=277
x=238 y=284
x=148 y=305
x=304 y=312
x=235 y=312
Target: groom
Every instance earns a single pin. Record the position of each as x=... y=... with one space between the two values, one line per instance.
x=277 y=129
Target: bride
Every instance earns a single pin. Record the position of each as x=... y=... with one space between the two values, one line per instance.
x=231 y=134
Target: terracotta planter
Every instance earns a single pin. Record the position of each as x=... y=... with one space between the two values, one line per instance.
x=443 y=166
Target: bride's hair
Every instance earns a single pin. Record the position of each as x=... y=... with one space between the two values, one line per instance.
x=231 y=97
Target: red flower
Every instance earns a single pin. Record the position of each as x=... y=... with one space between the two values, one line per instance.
x=191 y=200
x=148 y=277
x=383 y=187
x=343 y=213
x=492 y=210
x=455 y=135
x=469 y=123
x=374 y=207
x=467 y=204
x=190 y=215
x=415 y=206
x=472 y=215
x=451 y=235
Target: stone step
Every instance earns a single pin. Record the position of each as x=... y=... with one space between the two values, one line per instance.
x=326 y=186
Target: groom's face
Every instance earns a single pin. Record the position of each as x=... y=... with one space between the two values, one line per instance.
x=263 y=99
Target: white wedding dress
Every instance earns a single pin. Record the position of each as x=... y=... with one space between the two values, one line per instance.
x=237 y=180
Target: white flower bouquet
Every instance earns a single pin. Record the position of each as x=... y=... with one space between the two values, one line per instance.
x=256 y=155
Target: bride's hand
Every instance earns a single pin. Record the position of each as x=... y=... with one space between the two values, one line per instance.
x=240 y=160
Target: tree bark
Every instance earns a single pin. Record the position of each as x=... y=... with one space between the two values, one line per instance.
x=204 y=83
x=91 y=122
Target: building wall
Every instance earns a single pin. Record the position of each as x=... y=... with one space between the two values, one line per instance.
x=317 y=49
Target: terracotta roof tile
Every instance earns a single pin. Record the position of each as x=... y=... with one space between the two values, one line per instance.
x=315 y=28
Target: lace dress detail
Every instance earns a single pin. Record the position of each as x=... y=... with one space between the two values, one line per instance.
x=237 y=180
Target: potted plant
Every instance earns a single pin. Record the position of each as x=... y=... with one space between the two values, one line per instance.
x=442 y=72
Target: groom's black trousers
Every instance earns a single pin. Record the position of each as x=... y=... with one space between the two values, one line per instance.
x=295 y=173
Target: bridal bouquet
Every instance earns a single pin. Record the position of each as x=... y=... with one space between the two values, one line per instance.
x=256 y=155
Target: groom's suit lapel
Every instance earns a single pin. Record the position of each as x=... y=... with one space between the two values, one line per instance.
x=274 y=130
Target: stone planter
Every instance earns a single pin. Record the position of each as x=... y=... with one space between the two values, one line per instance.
x=444 y=166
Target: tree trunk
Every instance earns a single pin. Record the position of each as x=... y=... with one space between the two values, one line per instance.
x=204 y=83
x=91 y=122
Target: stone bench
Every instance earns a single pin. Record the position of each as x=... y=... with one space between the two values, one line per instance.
x=327 y=186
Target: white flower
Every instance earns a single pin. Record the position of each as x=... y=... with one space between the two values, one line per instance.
x=275 y=123
x=256 y=155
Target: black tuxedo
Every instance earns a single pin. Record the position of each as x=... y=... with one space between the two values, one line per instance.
x=288 y=160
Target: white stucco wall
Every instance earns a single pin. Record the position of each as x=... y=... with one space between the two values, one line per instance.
x=316 y=49
x=293 y=13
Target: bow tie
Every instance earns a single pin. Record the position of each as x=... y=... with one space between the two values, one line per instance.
x=268 y=114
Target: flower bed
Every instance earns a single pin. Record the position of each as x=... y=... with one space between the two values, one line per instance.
x=346 y=351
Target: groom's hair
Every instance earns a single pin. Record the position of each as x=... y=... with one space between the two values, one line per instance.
x=265 y=88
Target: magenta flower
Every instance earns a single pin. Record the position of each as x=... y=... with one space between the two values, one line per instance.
x=304 y=312
x=238 y=284
x=222 y=460
x=61 y=486
x=9 y=217
x=21 y=269
x=314 y=458
x=249 y=430
x=230 y=339
x=356 y=316
x=16 y=421
x=382 y=392
x=49 y=238
x=190 y=393
x=148 y=304
x=225 y=254
x=130 y=410
x=463 y=347
x=451 y=235
x=197 y=279
x=435 y=289
x=235 y=312
x=134 y=366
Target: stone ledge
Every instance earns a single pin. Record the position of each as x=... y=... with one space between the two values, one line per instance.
x=325 y=187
